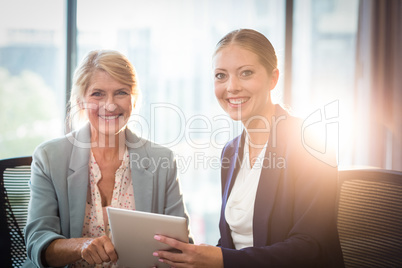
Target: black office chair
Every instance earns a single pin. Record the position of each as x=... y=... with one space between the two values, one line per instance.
x=370 y=217
x=14 y=199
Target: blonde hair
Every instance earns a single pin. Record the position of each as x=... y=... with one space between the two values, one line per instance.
x=110 y=61
x=253 y=41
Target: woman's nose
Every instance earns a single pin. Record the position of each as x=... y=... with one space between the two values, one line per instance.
x=110 y=106
x=233 y=84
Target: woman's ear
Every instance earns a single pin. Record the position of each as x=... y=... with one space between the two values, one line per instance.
x=274 y=78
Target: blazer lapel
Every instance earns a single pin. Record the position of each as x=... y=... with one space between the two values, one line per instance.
x=235 y=163
x=269 y=180
x=142 y=178
x=265 y=199
x=235 y=159
x=77 y=180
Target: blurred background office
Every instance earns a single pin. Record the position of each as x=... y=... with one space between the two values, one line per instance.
x=340 y=64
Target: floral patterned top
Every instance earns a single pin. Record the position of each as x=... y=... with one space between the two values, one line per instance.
x=96 y=221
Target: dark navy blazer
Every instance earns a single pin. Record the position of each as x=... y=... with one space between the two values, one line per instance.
x=294 y=222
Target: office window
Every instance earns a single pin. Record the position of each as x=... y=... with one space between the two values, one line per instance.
x=32 y=74
x=170 y=43
x=324 y=39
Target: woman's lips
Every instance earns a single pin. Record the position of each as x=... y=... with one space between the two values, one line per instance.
x=236 y=102
x=110 y=117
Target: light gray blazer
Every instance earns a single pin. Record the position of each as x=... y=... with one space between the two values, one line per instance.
x=59 y=184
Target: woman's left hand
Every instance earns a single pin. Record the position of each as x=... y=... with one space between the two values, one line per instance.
x=191 y=255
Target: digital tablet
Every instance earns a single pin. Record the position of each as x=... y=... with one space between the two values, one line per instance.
x=133 y=235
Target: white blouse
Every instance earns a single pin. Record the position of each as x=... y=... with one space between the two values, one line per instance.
x=96 y=220
x=239 y=209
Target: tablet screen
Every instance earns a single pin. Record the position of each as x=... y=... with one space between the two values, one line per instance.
x=133 y=235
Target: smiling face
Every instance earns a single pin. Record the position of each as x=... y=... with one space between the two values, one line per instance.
x=242 y=84
x=108 y=104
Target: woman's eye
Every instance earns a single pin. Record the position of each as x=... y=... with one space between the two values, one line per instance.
x=247 y=73
x=96 y=94
x=220 y=76
x=122 y=93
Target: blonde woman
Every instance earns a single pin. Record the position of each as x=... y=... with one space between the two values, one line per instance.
x=74 y=178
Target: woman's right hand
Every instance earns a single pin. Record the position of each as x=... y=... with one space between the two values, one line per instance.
x=62 y=252
x=98 y=250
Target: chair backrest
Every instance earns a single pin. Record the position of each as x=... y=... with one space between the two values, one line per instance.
x=370 y=217
x=14 y=199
